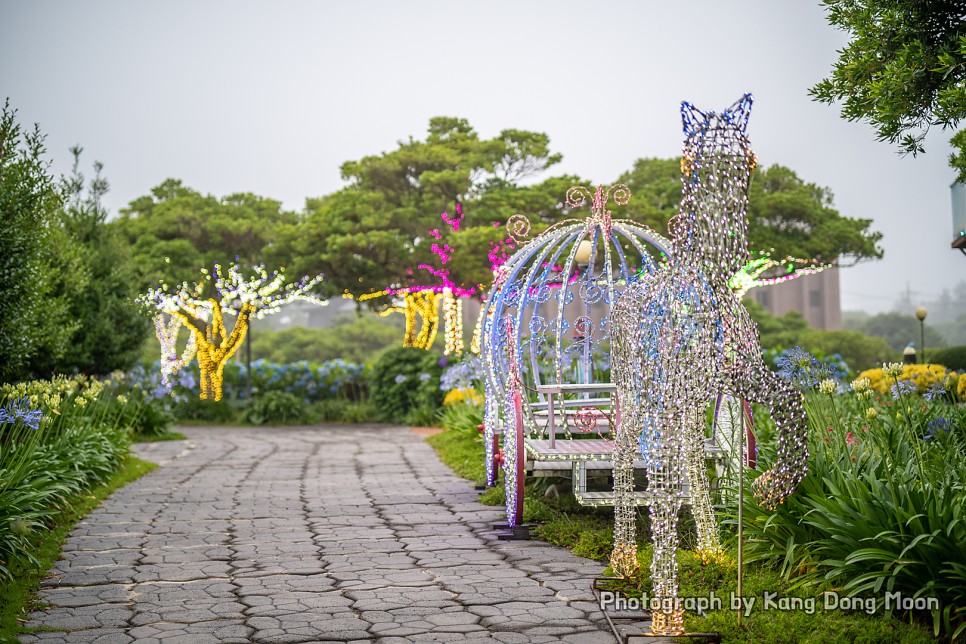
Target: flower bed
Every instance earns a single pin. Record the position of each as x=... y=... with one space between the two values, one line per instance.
x=59 y=438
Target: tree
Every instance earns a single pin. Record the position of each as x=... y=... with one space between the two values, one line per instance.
x=202 y=309
x=175 y=229
x=111 y=328
x=357 y=339
x=899 y=329
x=39 y=264
x=366 y=236
x=787 y=217
x=859 y=350
x=903 y=71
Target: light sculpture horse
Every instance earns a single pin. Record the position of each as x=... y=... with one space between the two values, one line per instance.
x=681 y=338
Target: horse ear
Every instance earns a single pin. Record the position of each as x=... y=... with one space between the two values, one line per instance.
x=693 y=119
x=738 y=113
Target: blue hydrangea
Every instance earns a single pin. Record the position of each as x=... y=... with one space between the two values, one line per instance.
x=465 y=374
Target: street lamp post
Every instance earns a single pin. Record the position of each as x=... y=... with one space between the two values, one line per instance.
x=921 y=316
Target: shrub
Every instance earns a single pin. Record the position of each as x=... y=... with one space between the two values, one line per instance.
x=195 y=409
x=922 y=375
x=882 y=506
x=309 y=382
x=404 y=379
x=277 y=408
x=355 y=338
x=952 y=358
x=462 y=417
x=330 y=411
x=58 y=438
x=359 y=412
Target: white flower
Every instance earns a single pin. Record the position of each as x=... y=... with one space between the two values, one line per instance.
x=827 y=386
x=893 y=369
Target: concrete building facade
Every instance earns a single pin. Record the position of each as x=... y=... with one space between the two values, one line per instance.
x=817 y=297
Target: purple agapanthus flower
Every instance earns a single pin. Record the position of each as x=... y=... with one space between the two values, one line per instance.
x=903 y=388
x=935 y=391
x=19 y=410
x=935 y=426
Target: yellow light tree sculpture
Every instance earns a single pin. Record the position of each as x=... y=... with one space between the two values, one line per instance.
x=230 y=293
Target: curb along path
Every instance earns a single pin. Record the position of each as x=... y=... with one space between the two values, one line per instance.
x=332 y=533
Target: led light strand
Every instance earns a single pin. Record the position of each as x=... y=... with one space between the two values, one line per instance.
x=681 y=338
x=167 y=334
x=547 y=316
x=255 y=296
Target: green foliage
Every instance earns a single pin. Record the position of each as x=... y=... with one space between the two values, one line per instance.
x=957 y=158
x=699 y=578
x=462 y=417
x=796 y=219
x=368 y=235
x=339 y=410
x=175 y=230
x=952 y=358
x=357 y=339
x=361 y=411
x=143 y=415
x=193 y=409
x=787 y=217
x=278 y=408
x=110 y=326
x=460 y=445
x=903 y=70
x=881 y=508
x=899 y=329
x=40 y=265
x=43 y=548
x=422 y=416
x=404 y=379
x=78 y=444
x=859 y=351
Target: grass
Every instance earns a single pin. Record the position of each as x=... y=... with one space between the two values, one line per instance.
x=463 y=452
x=769 y=623
x=18 y=597
x=588 y=533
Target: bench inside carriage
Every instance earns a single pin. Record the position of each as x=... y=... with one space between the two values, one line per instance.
x=576 y=422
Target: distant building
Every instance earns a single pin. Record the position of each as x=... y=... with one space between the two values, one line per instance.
x=814 y=296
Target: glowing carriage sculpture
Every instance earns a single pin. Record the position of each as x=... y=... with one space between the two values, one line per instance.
x=546 y=326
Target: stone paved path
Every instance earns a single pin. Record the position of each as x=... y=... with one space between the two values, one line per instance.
x=355 y=534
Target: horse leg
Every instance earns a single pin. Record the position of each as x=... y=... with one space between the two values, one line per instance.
x=664 y=483
x=757 y=383
x=623 y=558
x=708 y=542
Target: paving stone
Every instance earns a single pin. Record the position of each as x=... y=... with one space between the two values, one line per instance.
x=308 y=534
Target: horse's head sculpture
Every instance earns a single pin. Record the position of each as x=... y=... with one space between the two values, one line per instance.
x=710 y=232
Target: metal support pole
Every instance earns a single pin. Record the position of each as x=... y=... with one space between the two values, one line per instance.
x=248 y=362
x=922 y=340
x=741 y=498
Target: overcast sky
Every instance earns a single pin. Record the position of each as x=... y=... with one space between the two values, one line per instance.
x=272 y=97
